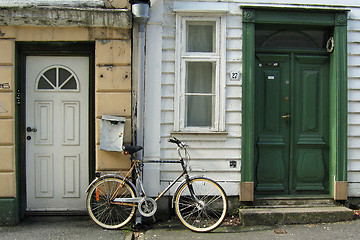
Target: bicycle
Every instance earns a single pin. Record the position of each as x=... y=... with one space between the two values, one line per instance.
x=200 y=203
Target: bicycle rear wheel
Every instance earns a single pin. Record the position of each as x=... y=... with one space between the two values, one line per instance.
x=105 y=213
x=210 y=210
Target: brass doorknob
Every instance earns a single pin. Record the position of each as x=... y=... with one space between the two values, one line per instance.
x=286 y=116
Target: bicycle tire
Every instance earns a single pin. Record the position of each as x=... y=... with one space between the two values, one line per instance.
x=213 y=207
x=104 y=213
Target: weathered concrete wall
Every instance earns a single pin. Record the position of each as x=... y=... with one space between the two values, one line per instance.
x=65 y=17
x=83 y=3
x=67 y=3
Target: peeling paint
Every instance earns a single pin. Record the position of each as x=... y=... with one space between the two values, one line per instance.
x=69 y=17
x=104 y=41
x=73 y=3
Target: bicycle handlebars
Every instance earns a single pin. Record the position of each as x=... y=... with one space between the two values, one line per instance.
x=174 y=140
x=177 y=141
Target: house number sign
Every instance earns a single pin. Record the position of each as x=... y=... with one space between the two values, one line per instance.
x=5 y=85
x=235 y=75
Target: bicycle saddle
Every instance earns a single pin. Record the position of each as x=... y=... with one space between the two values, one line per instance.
x=132 y=149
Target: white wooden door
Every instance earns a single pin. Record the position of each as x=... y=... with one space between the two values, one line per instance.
x=56 y=132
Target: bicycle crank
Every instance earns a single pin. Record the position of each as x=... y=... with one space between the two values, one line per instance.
x=147 y=207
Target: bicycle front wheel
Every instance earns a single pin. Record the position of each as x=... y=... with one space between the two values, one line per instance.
x=102 y=210
x=204 y=212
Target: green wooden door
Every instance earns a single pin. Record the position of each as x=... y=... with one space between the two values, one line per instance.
x=292 y=109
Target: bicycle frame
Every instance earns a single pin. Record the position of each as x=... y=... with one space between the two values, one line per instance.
x=199 y=202
x=132 y=201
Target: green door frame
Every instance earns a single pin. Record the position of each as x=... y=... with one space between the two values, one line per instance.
x=337 y=19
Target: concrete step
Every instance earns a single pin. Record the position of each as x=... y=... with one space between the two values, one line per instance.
x=296 y=213
x=261 y=203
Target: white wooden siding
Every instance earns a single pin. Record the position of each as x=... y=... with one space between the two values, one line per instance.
x=354 y=102
x=211 y=157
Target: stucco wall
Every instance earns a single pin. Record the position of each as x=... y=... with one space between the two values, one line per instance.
x=7 y=115
x=110 y=29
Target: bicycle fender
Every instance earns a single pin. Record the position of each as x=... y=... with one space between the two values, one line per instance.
x=92 y=183
x=108 y=176
x=183 y=182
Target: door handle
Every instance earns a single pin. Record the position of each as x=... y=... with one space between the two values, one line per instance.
x=29 y=129
x=286 y=117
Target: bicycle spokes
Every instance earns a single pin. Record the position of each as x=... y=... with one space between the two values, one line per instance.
x=102 y=210
x=201 y=204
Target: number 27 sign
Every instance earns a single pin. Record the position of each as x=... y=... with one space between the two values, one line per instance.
x=235 y=75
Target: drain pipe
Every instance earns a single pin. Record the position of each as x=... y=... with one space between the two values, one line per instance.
x=141 y=17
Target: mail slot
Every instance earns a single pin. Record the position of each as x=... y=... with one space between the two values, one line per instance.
x=112 y=133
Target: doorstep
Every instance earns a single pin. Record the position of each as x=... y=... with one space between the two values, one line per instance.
x=294 y=212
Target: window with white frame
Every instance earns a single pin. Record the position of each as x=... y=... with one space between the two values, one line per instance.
x=199 y=73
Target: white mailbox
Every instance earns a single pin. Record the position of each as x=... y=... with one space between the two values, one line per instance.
x=112 y=133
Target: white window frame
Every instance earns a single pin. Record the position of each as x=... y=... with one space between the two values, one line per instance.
x=182 y=57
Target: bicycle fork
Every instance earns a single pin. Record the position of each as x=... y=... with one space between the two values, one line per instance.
x=192 y=193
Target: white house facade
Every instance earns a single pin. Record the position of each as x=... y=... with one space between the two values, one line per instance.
x=265 y=93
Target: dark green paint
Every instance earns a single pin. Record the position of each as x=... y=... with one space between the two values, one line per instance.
x=248 y=111
x=338 y=105
x=292 y=151
x=271 y=166
x=8 y=211
x=295 y=18
x=310 y=126
x=336 y=142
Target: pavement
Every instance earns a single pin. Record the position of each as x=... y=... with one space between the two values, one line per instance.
x=62 y=227
x=171 y=230
x=83 y=228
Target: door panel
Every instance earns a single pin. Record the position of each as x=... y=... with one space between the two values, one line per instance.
x=57 y=165
x=292 y=124
x=71 y=111
x=44 y=122
x=311 y=123
x=273 y=141
x=44 y=175
x=71 y=176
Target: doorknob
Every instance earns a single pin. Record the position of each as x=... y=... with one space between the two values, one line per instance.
x=29 y=129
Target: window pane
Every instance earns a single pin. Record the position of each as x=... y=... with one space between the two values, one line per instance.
x=200 y=37
x=283 y=38
x=51 y=75
x=200 y=77
x=199 y=111
x=63 y=75
x=44 y=84
x=71 y=84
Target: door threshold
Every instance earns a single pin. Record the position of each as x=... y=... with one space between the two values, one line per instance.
x=287 y=197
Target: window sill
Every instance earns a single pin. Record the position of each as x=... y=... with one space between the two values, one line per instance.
x=200 y=136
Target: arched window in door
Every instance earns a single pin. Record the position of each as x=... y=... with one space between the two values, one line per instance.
x=57 y=78
x=291 y=38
